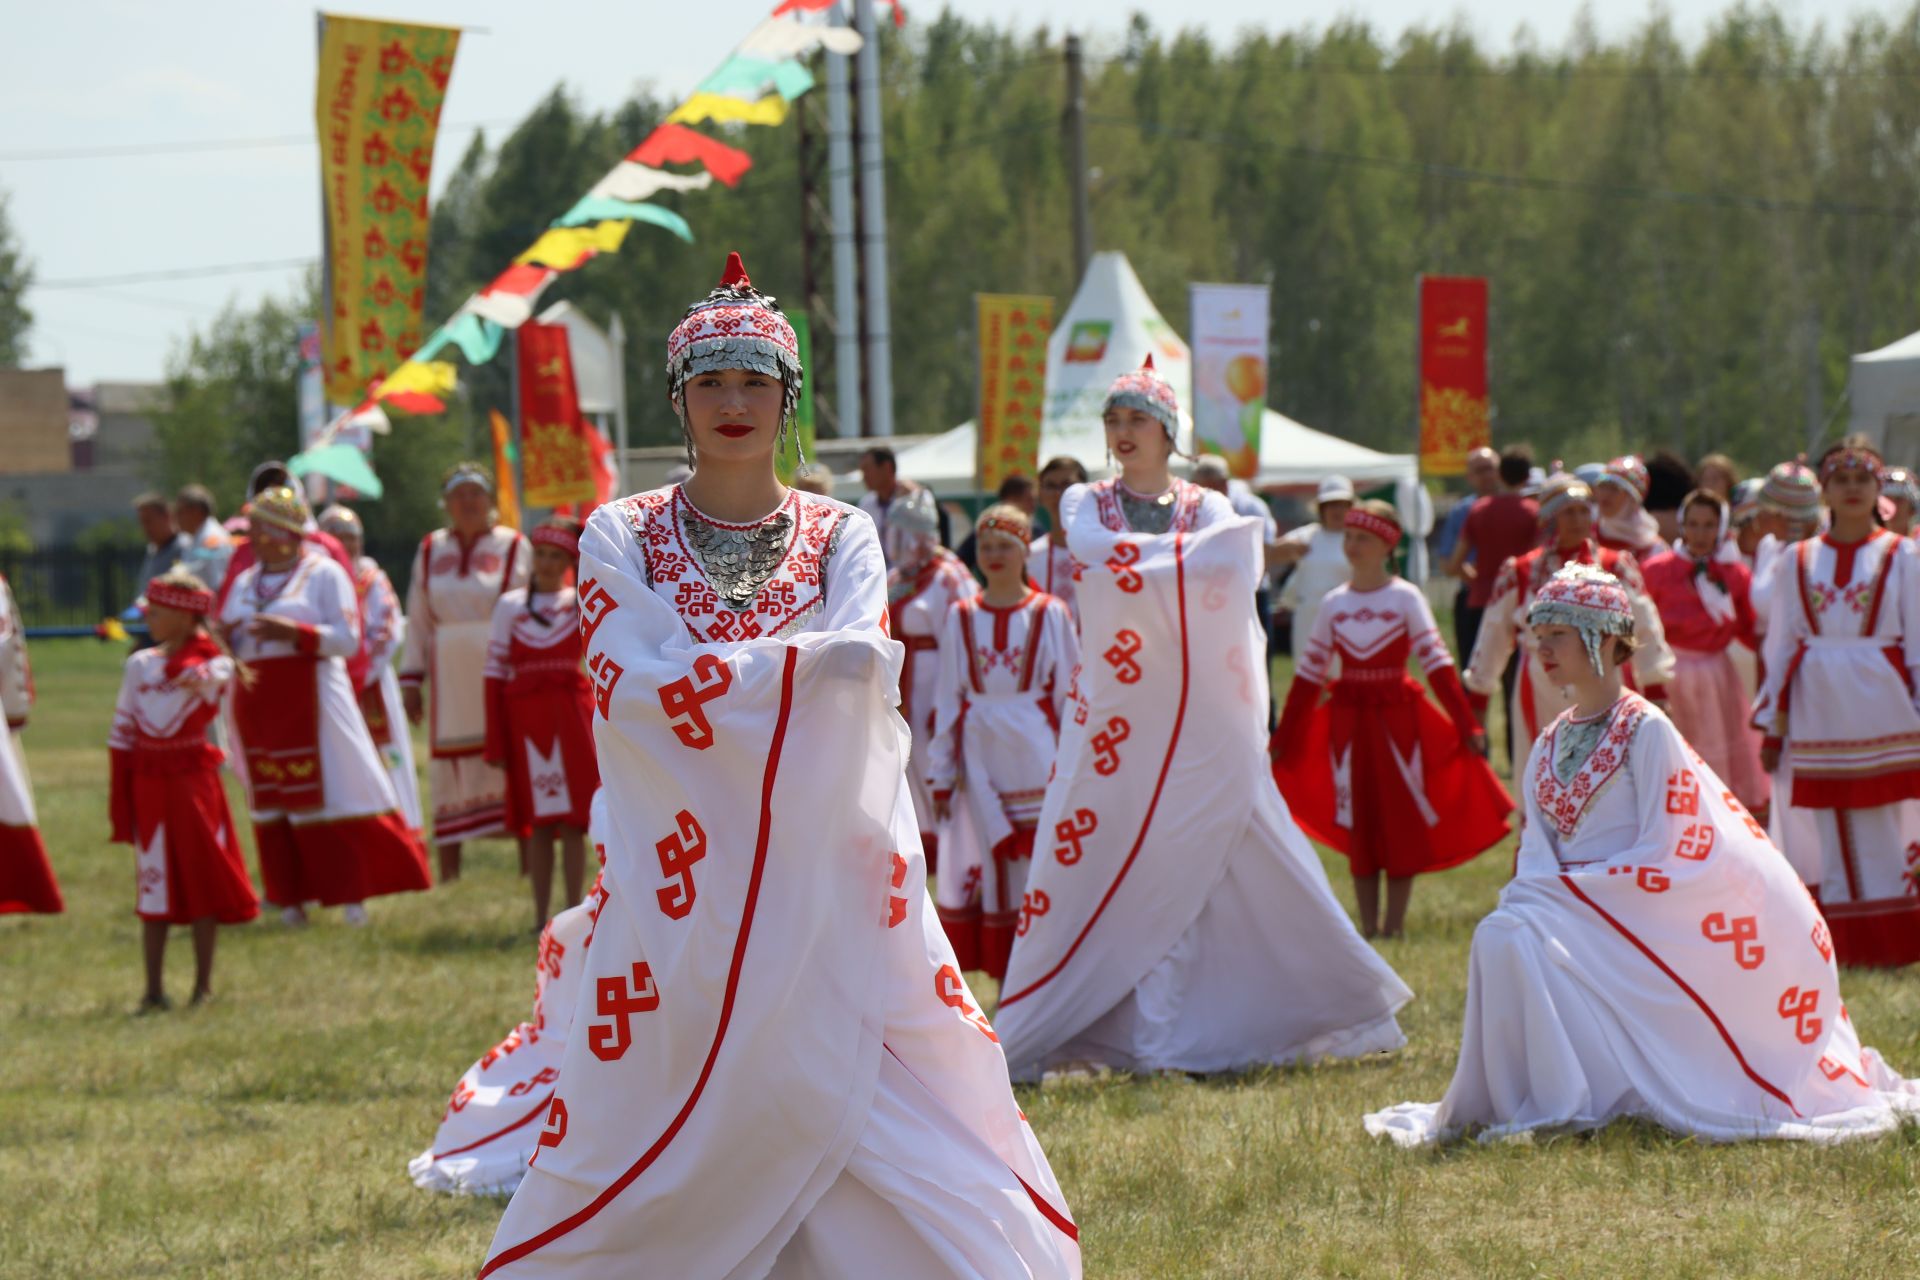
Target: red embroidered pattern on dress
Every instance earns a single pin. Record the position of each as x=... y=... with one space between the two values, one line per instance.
x=1565 y=804
x=1186 y=506
x=795 y=590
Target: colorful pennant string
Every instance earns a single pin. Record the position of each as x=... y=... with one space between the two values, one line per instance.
x=567 y=248
x=597 y=208
x=677 y=144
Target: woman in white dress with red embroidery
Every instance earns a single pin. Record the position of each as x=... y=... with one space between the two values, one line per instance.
x=828 y=1102
x=1842 y=718
x=1177 y=918
x=540 y=715
x=380 y=702
x=926 y=581
x=27 y=884
x=166 y=799
x=326 y=821
x=1006 y=666
x=1653 y=955
x=1376 y=772
x=459 y=574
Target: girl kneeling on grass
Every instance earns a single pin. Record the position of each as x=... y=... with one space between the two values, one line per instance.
x=1376 y=772
x=166 y=798
x=540 y=715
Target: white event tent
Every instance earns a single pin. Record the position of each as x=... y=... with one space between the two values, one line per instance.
x=1108 y=329
x=1884 y=388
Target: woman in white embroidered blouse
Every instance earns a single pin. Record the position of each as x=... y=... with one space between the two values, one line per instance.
x=1654 y=955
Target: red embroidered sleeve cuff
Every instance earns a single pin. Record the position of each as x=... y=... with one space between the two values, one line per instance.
x=1302 y=697
x=1453 y=697
x=1479 y=702
x=308 y=641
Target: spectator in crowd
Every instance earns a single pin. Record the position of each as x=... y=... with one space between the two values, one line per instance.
x=1717 y=472
x=1899 y=495
x=1669 y=481
x=1015 y=491
x=1483 y=481
x=1048 y=563
x=209 y=545
x=1318 y=554
x=813 y=478
x=1498 y=526
x=880 y=473
x=166 y=546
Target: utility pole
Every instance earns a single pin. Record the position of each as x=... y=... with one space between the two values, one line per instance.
x=813 y=221
x=848 y=376
x=1075 y=125
x=873 y=225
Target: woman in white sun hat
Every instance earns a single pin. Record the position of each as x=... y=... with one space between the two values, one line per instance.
x=1318 y=554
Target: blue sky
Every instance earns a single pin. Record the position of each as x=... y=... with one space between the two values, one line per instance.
x=88 y=74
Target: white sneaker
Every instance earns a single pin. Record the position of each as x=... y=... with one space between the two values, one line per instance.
x=355 y=914
x=293 y=917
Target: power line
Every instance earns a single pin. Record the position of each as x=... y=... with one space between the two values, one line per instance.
x=124 y=150
x=176 y=273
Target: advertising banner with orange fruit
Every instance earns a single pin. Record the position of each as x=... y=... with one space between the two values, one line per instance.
x=1013 y=378
x=1230 y=372
x=1453 y=372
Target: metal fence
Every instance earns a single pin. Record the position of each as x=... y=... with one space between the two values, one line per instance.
x=69 y=590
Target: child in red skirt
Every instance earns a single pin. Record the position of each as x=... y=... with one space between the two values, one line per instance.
x=167 y=800
x=1376 y=772
x=540 y=715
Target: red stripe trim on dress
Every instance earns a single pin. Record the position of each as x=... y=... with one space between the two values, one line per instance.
x=660 y=1144
x=1060 y=1220
x=1034 y=630
x=1693 y=995
x=1845 y=828
x=540 y=1109
x=1879 y=583
x=1153 y=804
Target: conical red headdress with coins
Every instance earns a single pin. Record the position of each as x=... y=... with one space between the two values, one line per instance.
x=736 y=327
x=1145 y=390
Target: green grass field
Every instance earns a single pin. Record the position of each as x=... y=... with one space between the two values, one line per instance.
x=267 y=1135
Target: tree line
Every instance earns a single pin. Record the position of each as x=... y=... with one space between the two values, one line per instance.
x=1685 y=243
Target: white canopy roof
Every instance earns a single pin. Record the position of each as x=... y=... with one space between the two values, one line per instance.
x=1884 y=387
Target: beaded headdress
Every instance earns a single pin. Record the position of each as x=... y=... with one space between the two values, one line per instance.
x=1147 y=391
x=279 y=508
x=1628 y=473
x=338 y=520
x=1792 y=490
x=1366 y=522
x=1003 y=519
x=736 y=327
x=467 y=473
x=1561 y=491
x=1898 y=482
x=1746 y=500
x=560 y=536
x=1589 y=600
x=1850 y=459
x=179 y=595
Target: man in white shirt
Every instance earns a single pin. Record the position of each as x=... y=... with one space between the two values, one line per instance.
x=1318 y=554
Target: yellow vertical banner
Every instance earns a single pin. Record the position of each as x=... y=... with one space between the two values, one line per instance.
x=377 y=110
x=1012 y=337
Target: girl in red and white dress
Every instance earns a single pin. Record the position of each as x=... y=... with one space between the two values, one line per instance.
x=167 y=800
x=1842 y=718
x=1006 y=666
x=833 y=1086
x=1049 y=563
x=386 y=629
x=1377 y=772
x=326 y=821
x=459 y=575
x=26 y=877
x=1653 y=955
x=540 y=715
x=1706 y=611
x=1176 y=918
x=925 y=582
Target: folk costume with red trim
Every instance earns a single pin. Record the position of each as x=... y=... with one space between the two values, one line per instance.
x=166 y=798
x=927 y=580
x=1653 y=956
x=490 y=1129
x=1536 y=699
x=27 y=884
x=1000 y=699
x=1376 y=771
x=1171 y=895
x=326 y=821
x=450 y=600
x=380 y=703
x=540 y=710
x=776 y=1067
x=1842 y=660
x=1050 y=567
x=1706 y=611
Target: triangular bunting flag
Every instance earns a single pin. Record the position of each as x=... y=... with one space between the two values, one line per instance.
x=723 y=109
x=787 y=37
x=677 y=144
x=434 y=380
x=509 y=300
x=566 y=248
x=597 y=208
x=751 y=77
x=630 y=181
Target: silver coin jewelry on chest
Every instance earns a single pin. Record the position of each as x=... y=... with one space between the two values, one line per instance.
x=738 y=562
x=1147 y=515
x=1576 y=741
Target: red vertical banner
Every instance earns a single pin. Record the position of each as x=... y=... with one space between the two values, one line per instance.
x=558 y=454
x=1453 y=372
